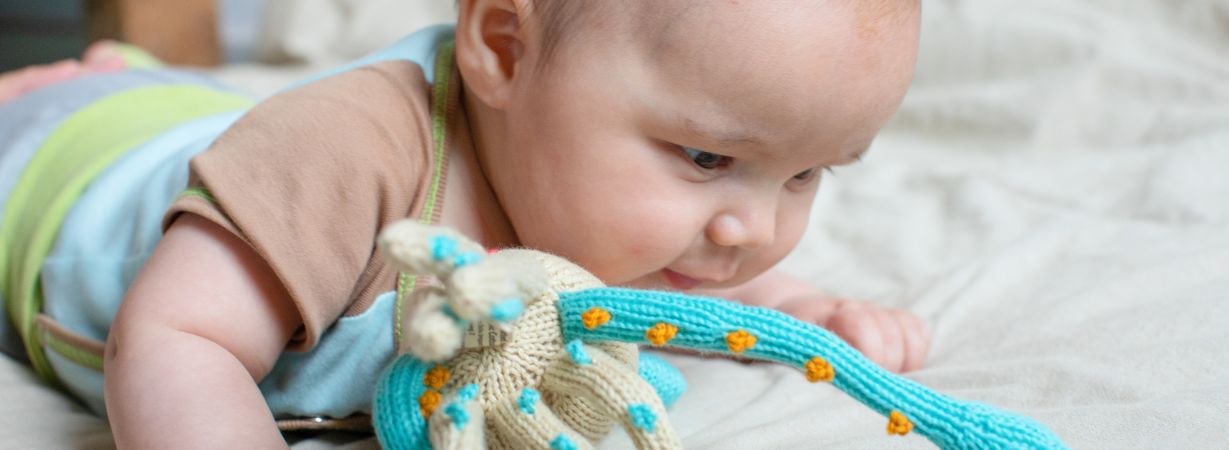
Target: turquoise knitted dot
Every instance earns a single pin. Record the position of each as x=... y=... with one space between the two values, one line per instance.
x=562 y=442
x=466 y=259
x=527 y=401
x=442 y=247
x=458 y=414
x=507 y=309
x=467 y=393
x=576 y=349
x=642 y=416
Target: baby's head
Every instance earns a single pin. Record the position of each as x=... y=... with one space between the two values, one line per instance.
x=669 y=142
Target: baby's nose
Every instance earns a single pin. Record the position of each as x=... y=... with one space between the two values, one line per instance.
x=750 y=231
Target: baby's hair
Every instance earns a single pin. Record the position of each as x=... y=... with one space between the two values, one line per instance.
x=553 y=17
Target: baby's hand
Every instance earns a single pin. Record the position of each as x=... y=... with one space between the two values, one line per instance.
x=895 y=339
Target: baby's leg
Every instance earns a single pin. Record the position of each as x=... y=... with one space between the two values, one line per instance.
x=100 y=57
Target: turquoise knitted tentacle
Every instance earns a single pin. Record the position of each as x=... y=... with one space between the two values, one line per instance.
x=399 y=424
x=665 y=378
x=714 y=325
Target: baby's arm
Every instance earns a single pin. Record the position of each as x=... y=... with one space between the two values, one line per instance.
x=894 y=338
x=203 y=322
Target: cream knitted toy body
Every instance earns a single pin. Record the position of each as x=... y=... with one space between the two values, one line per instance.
x=558 y=366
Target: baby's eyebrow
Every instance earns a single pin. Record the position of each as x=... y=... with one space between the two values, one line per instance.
x=722 y=137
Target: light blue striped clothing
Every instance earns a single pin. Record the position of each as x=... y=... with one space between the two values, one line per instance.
x=111 y=229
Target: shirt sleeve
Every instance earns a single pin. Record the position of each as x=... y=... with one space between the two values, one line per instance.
x=308 y=177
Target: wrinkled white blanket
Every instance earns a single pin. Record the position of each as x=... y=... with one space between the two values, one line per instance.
x=1053 y=198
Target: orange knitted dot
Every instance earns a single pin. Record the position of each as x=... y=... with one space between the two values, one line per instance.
x=818 y=369
x=595 y=317
x=661 y=333
x=428 y=402
x=899 y=424
x=740 y=340
x=436 y=377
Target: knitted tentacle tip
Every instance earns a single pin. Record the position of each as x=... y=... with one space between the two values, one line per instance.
x=427 y=249
x=497 y=288
x=460 y=425
x=476 y=286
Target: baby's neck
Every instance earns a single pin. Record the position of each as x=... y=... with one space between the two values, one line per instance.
x=470 y=205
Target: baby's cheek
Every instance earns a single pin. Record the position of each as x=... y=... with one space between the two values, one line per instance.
x=639 y=249
x=628 y=260
x=790 y=229
x=600 y=257
x=649 y=236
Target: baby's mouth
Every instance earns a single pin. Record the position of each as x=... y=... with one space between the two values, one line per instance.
x=679 y=281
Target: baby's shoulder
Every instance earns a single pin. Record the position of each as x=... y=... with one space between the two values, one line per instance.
x=388 y=92
x=373 y=117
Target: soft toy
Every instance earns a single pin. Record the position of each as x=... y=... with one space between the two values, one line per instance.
x=552 y=358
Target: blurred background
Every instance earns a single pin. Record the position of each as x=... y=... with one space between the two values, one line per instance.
x=40 y=31
x=1052 y=193
x=208 y=33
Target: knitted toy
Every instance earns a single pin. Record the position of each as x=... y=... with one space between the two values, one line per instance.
x=555 y=364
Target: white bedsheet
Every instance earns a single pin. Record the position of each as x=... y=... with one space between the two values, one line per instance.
x=1053 y=198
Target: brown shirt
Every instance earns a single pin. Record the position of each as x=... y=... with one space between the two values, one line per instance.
x=309 y=177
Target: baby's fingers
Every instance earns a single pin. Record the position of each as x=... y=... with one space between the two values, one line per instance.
x=894 y=339
x=858 y=326
x=917 y=339
x=893 y=355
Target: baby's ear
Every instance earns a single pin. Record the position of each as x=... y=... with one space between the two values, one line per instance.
x=491 y=38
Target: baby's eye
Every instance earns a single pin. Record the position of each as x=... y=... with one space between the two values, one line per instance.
x=809 y=174
x=805 y=175
x=707 y=160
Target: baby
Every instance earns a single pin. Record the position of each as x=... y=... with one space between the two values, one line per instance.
x=666 y=144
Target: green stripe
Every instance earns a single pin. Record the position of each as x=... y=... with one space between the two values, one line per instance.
x=137 y=58
x=199 y=192
x=441 y=94
x=74 y=354
x=439 y=124
x=80 y=148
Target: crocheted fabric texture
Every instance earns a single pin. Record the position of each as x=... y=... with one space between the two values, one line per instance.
x=560 y=366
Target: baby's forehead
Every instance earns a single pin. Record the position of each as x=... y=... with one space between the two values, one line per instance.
x=675 y=31
x=779 y=69
x=658 y=19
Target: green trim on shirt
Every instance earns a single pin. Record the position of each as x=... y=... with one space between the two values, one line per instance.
x=199 y=192
x=72 y=353
x=441 y=95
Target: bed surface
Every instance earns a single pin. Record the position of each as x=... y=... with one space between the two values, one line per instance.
x=1053 y=198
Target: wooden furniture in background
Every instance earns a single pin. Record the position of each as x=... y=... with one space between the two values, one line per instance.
x=180 y=32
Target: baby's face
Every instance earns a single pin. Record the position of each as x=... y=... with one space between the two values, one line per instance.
x=682 y=146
